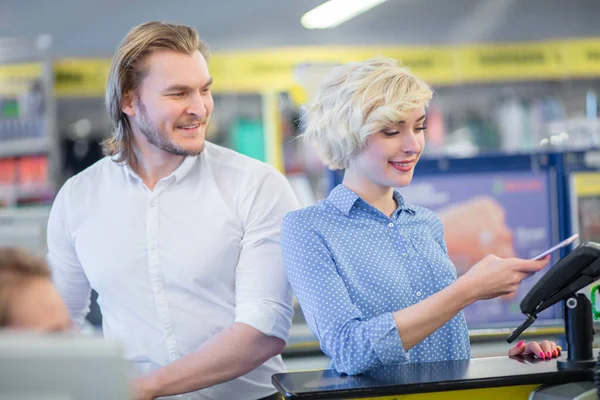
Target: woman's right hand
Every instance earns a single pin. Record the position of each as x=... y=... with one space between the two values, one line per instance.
x=494 y=276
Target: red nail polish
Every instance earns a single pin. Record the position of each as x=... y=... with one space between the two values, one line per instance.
x=549 y=354
x=542 y=356
x=521 y=343
x=556 y=352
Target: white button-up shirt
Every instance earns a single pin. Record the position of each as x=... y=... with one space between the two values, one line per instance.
x=175 y=265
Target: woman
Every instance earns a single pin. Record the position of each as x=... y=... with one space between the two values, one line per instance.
x=28 y=299
x=370 y=271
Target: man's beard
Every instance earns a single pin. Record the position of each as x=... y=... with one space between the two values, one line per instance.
x=160 y=138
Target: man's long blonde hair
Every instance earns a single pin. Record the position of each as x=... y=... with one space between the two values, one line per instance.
x=128 y=69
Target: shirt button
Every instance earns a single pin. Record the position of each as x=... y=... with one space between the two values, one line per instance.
x=404 y=254
x=419 y=293
x=152 y=203
x=391 y=225
x=152 y=246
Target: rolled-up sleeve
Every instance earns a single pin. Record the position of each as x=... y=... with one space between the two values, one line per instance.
x=263 y=294
x=354 y=344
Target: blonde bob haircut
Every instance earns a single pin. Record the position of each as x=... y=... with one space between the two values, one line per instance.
x=356 y=100
x=128 y=68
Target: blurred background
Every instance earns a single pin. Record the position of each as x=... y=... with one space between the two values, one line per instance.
x=512 y=161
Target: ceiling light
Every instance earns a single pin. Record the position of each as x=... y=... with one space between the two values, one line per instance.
x=335 y=12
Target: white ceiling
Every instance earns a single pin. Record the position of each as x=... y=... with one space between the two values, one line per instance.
x=95 y=27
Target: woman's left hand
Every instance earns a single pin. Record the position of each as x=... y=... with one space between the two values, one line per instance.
x=543 y=350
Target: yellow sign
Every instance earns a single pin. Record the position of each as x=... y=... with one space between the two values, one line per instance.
x=276 y=69
x=273 y=69
x=17 y=78
x=586 y=184
x=512 y=62
x=583 y=57
x=81 y=77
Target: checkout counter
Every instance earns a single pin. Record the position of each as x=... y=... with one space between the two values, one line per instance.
x=571 y=376
x=491 y=378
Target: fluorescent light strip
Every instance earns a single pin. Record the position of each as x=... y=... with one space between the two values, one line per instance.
x=335 y=12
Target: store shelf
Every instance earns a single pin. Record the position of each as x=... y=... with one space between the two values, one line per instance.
x=25 y=227
x=23 y=147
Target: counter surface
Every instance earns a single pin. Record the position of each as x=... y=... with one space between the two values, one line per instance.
x=426 y=377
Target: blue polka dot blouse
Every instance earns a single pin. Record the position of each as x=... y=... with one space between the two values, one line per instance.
x=351 y=267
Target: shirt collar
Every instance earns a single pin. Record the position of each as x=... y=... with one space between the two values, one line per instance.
x=181 y=171
x=185 y=167
x=402 y=204
x=344 y=199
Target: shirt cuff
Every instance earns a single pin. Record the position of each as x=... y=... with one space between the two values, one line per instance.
x=388 y=344
x=272 y=320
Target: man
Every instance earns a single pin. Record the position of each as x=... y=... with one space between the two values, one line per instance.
x=179 y=237
x=28 y=300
